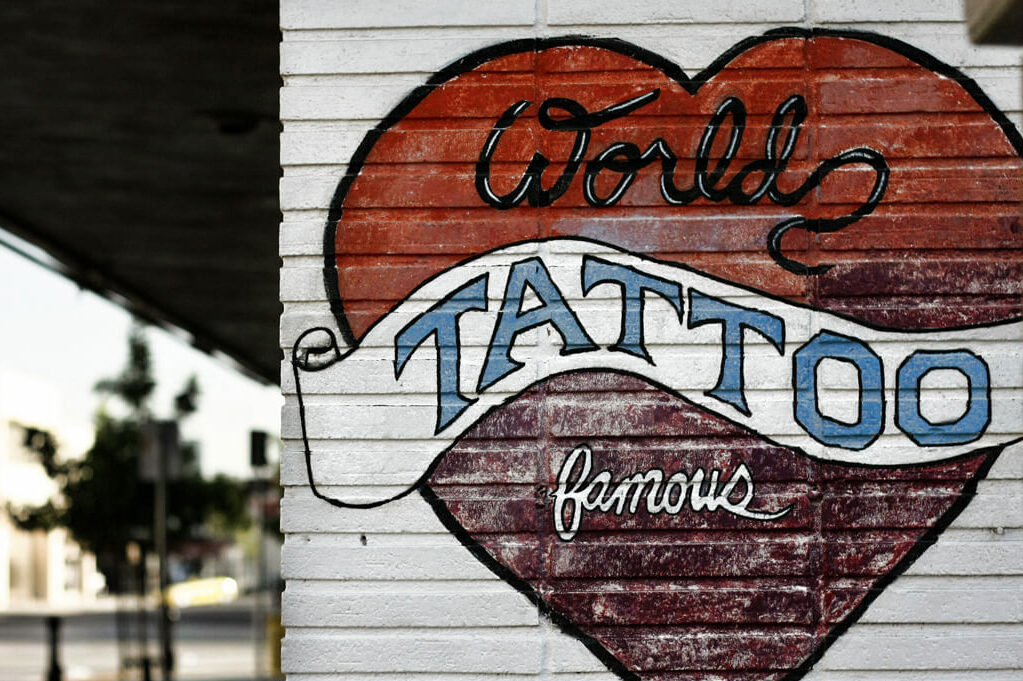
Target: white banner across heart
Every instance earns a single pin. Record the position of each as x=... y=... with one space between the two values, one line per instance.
x=473 y=337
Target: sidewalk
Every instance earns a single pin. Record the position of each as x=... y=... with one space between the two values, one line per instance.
x=43 y=609
x=213 y=643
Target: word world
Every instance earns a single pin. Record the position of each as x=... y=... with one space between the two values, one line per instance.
x=578 y=492
x=626 y=160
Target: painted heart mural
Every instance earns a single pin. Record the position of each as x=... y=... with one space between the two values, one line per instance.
x=697 y=364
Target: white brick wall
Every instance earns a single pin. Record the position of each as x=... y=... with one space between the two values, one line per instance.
x=389 y=594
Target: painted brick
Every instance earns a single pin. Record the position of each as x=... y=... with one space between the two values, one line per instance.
x=404 y=55
x=989 y=600
x=945 y=647
x=957 y=675
x=312 y=14
x=303 y=283
x=319 y=148
x=852 y=11
x=301 y=237
x=319 y=604
x=390 y=593
x=459 y=652
x=652 y=12
x=996 y=556
x=365 y=101
x=302 y=560
x=306 y=192
x=949 y=42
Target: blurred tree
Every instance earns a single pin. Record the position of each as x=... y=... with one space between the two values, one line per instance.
x=103 y=502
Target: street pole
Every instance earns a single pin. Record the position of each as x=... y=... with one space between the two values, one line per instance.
x=160 y=528
x=257 y=458
x=54 y=673
x=138 y=563
x=260 y=607
x=161 y=449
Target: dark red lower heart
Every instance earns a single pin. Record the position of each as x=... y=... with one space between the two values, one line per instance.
x=698 y=595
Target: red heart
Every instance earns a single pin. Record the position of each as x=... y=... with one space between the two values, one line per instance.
x=700 y=594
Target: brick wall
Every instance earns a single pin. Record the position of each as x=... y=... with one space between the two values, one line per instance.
x=435 y=544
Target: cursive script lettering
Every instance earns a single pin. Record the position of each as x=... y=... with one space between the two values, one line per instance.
x=578 y=492
x=625 y=159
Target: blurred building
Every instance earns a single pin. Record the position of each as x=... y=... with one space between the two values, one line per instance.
x=37 y=568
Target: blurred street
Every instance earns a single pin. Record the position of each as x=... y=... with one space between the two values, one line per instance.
x=211 y=642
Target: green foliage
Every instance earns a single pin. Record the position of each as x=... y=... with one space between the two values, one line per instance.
x=104 y=504
x=135 y=384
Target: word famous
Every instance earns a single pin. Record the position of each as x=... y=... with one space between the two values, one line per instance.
x=578 y=492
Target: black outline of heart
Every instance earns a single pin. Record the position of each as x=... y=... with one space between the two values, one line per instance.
x=692 y=86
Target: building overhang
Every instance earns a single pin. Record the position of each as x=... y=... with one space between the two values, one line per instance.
x=140 y=150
